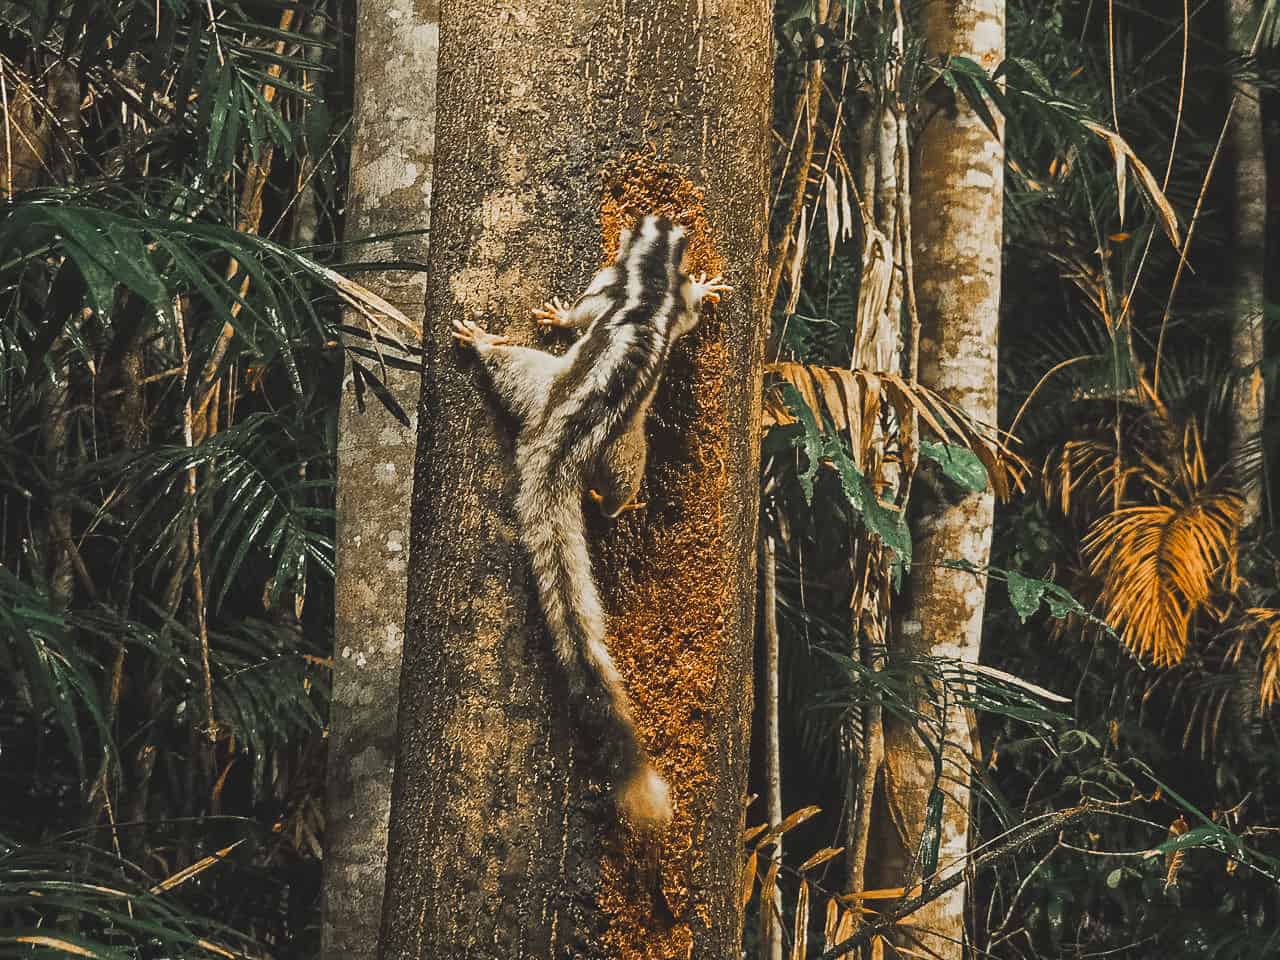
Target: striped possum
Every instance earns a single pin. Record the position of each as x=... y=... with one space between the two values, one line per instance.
x=581 y=420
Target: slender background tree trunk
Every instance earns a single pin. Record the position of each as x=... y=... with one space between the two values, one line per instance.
x=1247 y=171
x=390 y=191
x=956 y=215
x=556 y=118
x=772 y=748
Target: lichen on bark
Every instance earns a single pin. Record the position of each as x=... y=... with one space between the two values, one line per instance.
x=389 y=189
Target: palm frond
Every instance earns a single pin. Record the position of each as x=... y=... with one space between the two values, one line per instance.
x=1160 y=565
x=52 y=674
x=853 y=400
x=73 y=899
x=265 y=489
x=159 y=242
x=1267 y=619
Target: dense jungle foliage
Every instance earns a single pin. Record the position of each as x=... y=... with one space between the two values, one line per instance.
x=176 y=317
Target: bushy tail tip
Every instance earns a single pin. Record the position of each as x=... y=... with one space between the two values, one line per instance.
x=644 y=800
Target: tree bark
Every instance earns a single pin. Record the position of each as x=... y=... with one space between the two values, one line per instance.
x=956 y=211
x=1246 y=262
x=390 y=191
x=558 y=121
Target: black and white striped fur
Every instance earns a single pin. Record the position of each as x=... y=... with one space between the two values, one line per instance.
x=581 y=423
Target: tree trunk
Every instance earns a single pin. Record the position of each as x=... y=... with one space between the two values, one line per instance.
x=1247 y=265
x=956 y=212
x=390 y=191
x=558 y=120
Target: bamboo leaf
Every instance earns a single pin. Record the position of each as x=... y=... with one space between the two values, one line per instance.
x=800 y=931
x=820 y=857
x=749 y=877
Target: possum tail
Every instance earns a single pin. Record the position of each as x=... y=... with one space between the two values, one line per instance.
x=554 y=533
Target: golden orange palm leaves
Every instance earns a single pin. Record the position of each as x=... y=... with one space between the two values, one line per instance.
x=1160 y=564
x=1164 y=548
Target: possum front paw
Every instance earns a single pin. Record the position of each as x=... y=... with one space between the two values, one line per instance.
x=704 y=289
x=468 y=333
x=554 y=313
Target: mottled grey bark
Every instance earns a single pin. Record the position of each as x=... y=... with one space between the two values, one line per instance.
x=556 y=119
x=956 y=212
x=390 y=191
x=1246 y=263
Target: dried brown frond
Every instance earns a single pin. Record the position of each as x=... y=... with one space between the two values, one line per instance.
x=1160 y=564
x=1173 y=860
x=800 y=932
x=1268 y=620
x=1126 y=158
x=1083 y=474
x=852 y=401
x=748 y=881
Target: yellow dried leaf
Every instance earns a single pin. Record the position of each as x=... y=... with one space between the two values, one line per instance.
x=1125 y=158
x=882 y=893
x=221 y=951
x=852 y=412
x=798 y=375
x=1173 y=860
x=768 y=896
x=201 y=865
x=749 y=877
x=844 y=929
x=832 y=401
x=821 y=857
x=800 y=934
x=846 y=209
x=1159 y=564
x=833 y=214
x=830 y=923
x=56 y=943
x=871 y=400
x=1268 y=618
x=906 y=398
x=794 y=819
